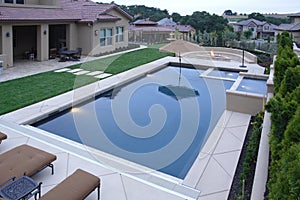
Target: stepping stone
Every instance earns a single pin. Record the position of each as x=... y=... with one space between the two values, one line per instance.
x=82 y=72
x=104 y=75
x=62 y=70
x=75 y=70
x=95 y=73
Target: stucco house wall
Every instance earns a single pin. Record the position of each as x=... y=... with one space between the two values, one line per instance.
x=80 y=20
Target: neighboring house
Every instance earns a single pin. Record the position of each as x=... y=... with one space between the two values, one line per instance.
x=147 y=31
x=293 y=28
x=36 y=26
x=166 y=22
x=260 y=30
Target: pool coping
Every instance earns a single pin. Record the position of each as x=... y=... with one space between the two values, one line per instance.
x=51 y=106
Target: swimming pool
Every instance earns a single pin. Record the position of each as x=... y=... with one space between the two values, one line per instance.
x=224 y=74
x=256 y=86
x=140 y=123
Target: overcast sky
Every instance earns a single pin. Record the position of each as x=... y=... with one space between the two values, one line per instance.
x=187 y=7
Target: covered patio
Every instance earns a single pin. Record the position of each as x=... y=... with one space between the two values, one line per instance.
x=32 y=41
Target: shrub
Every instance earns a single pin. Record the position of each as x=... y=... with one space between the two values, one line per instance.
x=284 y=171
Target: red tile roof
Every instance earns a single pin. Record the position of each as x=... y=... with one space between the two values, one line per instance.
x=162 y=28
x=80 y=10
x=144 y=22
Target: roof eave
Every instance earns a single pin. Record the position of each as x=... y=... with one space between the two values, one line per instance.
x=39 y=20
x=129 y=17
x=108 y=20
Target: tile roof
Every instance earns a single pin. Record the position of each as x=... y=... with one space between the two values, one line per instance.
x=294 y=15
x=150 y=28
x=289 y=27
x=148 y=25
x=80 y=10
x=144 y=22
x=248 y=21
x=180 y=28
x=166 y=21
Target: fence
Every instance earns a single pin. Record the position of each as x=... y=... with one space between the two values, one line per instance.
x=261 y=45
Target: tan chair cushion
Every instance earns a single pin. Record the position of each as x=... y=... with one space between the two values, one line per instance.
x=23 y=159
x=2 y=136
x=75 y=187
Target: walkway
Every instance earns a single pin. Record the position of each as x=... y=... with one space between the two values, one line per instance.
x=24 y=68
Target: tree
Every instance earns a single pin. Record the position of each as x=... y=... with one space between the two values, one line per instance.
x=213 y=38
x=286 y=58
x=284 y=39
x=284 y=173
x=228 y=37
x=257 y=16
x=176 y=17
x=272 y=20
x=291 y=80
x=203 y=21
x=228 y=12
x=247 y=34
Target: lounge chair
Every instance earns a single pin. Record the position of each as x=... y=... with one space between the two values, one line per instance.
x=2 y=137
x=75 y=187
x=24 y=159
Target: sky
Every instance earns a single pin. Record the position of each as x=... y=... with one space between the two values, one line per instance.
x=187 y=7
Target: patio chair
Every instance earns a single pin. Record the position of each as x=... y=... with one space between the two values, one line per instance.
x=24 y=160
x=77 y=55
x=62 y=57
x=75 y=187
x=2 y=137
x=53 y=53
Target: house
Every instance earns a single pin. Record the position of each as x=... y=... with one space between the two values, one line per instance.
x=260 y=30
x=293 y=28
x=35 y=27
x=147 y=31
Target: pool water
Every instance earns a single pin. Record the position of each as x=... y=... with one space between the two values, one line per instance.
x=253 y=86
x=142 y=123
x=224 y=74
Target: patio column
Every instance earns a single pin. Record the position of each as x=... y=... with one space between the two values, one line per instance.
x=43 y=42
x=71 y=36
x=7 y=45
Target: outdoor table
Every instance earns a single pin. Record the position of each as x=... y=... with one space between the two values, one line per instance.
x=21 y=188
x=67 y=53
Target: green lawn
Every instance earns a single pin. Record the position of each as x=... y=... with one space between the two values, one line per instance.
x=157 y=46
x=25 y=91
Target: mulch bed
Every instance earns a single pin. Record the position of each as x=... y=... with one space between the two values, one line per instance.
x=236 y=186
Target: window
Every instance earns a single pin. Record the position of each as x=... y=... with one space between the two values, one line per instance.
x=266 y=28
x=109 y=36
x=102 y=37
x=119 y=34
x=106 y=37
x=12 y=1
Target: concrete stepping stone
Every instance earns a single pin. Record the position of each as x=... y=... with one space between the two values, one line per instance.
x=104 y=75
x=75 y=70
x=62 y=70
x=95 y=73
x=82 y=72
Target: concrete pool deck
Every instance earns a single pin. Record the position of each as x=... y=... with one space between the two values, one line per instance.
x=209 y=178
